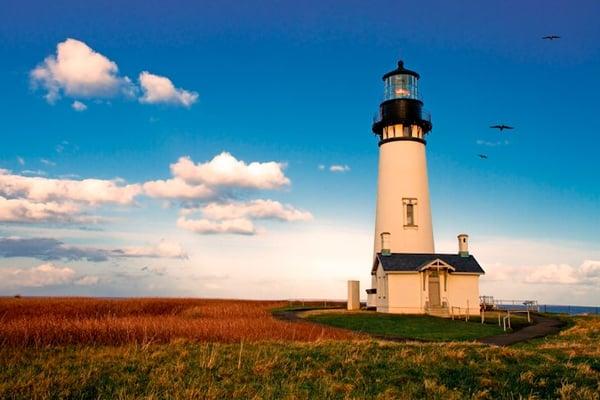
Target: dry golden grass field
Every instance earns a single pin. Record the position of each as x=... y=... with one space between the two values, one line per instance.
x=221 y=349
x=64 y=321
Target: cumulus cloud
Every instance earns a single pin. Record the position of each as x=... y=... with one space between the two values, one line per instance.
x=237 y=217
x=225 y=170
x=177 y=188
x=255 y=209
x=586 y=274
x=239 y=226
x=77 y=70
x=339 y=168
x=160 y=89
x=163 y=249
x=24 y=210
x=42 y=275
x=78 y=106
x=89 y=191
x=41 y=199
x=48 y=249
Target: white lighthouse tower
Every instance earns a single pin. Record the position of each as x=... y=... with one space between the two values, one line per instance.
x=403 y=221
x=407 y=275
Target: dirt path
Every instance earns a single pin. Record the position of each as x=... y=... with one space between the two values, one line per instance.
x=542 y=326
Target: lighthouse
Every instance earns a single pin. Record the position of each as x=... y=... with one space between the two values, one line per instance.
x=407 y=275
x=403 y=217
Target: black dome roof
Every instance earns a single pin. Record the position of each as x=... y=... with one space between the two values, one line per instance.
x=401 y=71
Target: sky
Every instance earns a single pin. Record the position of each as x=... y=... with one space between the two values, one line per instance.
x=224 y=149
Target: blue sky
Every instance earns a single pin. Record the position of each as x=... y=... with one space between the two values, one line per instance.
x=298 y=84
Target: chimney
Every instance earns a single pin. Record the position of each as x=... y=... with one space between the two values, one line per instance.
x=385 y=243
x=463 y=245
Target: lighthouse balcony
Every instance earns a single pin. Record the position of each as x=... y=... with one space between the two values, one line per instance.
x=425 y=116
x=403 y=112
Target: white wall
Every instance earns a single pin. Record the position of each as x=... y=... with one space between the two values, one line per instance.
x=403 y=174
x=405 y=293
x=463 y=288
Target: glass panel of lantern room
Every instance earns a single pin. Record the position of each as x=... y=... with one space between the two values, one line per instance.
x=401 y=87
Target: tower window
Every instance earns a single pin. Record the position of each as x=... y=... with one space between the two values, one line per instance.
x=385 y=243
x=410 y=212
x=407 y=131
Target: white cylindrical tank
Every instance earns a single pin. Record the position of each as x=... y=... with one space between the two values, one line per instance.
x=403 y=207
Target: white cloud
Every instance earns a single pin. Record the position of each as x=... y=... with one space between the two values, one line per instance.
x=47 y=162
x=43 y=275
x=225 y=170
x=90 y=191
x=164 y=249
x=339 y=168
x=78 y=70
x=160 y=89
x=588 y=273
x=176 y=188
x=240 y=226
x=87 y=281
x=237 y=217
x=23 y=210
x=21 y=160
x=492 y=144
x=78 y=106
x=321 y=167
x=255 y=209
x=34 y=172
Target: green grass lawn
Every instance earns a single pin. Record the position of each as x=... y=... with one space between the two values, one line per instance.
x=564 y=366
x=408 y=326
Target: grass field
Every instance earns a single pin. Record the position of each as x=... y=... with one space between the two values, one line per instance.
x=63 y=321
x=565 y=366
x=407 y=326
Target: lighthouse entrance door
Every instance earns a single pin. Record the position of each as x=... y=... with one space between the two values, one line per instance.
x=434 y=290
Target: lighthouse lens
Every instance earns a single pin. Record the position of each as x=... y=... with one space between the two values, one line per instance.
x=401 y=87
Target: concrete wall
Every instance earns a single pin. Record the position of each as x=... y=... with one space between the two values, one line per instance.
x=403 y=174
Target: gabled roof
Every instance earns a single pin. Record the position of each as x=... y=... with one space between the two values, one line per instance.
x=413 y=262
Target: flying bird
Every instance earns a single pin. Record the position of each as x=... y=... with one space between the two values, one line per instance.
x=501 y=127
x=482 y=156
x=551 y=37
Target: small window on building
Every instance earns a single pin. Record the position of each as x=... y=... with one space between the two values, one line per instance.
x=386 y=243
x=410 y=212
x=407 y=131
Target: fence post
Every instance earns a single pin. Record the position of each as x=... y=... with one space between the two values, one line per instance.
x=468 y=311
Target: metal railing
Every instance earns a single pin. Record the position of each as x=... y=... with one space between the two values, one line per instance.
x=425 y=116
